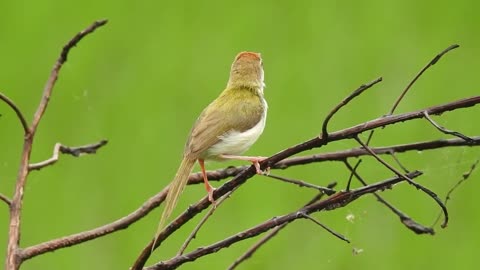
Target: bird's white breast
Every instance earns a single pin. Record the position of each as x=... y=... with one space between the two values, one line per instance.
x=235 y=142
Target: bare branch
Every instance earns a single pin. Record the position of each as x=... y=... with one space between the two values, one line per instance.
x=193 y=234
x=406 y=220
x=410 y=181
x=155 y=201
x=300 y=183
x=465 y=176
x=446 y=131
x=14 y=255
x=344 y=102
x=316 y=142
x=47 y=91
x=17 y=111
x=338 y=200
x=81 y=237
x=339 y=236
x=431 y=63
x=5 y=199
x=272 y=233
x=358 y=152
x=74 y=151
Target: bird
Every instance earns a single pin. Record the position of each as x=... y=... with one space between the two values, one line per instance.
x=225 y=129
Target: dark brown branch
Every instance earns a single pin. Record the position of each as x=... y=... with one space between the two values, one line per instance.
x=74 y=151
x=232 y=171
x=17 y=111
x=310 y=144
x=358 y=152
x=5 y=199
x=344 y=102
x=446 y=131
x=14 y=255
x=196 y=178
x=300 y=183
x=431 y=63
x=338 y=200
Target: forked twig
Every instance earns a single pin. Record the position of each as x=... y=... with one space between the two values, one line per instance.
x=74 y=151
x=14 y=256
x=344 y=102
x=272 y=233
x=193 y=234
x=406 y=220
x=446 y=131
x=338 y=200
x=410 y=181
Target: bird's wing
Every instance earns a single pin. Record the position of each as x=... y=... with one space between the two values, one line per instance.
x=239 y=110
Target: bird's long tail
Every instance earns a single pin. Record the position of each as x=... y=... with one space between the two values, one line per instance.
x=176 y=188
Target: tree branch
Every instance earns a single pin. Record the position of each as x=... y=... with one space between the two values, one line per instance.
x=344 y=102
x=316 y=142
x=338 y=200
x=74 y=151
x=14 y=258
x=17 y=111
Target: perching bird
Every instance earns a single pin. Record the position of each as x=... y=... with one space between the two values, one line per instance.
x=226 y=128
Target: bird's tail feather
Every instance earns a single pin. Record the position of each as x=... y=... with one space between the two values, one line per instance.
x=175 y=189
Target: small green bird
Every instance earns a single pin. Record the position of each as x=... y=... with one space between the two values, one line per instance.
x=226 y=128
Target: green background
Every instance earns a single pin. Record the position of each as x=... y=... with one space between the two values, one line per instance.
x=141 y=81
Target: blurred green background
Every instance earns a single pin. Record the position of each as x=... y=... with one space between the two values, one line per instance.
x=142 y=80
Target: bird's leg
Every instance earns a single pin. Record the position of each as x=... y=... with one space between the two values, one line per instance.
x=208 y=187
x=254 y=160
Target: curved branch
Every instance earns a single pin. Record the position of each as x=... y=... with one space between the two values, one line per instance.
x=17 y=111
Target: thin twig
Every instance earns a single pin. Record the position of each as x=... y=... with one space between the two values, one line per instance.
x=465 y=176
x=431 y=63
x=352 y=172
x=394 y=156
x=5 y=199
x=272 y=233
x=344 y=102
x=410 y=181
x=193 y=234
x=405 y=219
x=17 y=111
x=47 y=92
x=338 y=200
x=300 y=183
x=334 y=233
x=446 y=131
x=74 y=151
